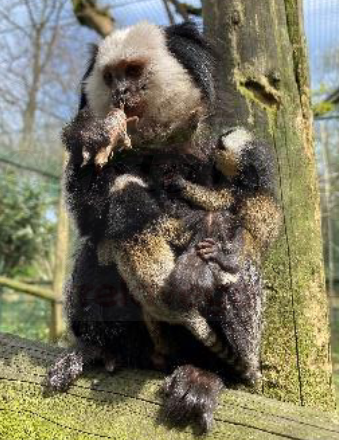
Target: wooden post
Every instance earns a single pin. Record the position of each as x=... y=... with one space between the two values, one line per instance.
x=56 y=326
x=266 y=80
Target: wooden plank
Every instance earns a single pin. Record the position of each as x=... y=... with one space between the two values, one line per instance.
x=126 y=406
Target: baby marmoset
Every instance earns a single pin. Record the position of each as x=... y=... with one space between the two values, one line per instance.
x=160 y=238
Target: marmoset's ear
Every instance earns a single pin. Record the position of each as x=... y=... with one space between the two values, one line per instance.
x=93 y=51
x=187 y=30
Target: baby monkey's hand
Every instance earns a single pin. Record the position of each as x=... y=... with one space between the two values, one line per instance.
x=210 y=250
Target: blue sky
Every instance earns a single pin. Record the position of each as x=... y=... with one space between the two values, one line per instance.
x=321 y=20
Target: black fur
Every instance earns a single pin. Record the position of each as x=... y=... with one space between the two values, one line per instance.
x=93 y=54
x=99 y=212
x=102 y=314
x=258 y=170
x=191 y=394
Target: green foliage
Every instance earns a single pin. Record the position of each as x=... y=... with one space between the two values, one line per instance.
x=321 y=108
x=24 y=316
x=27 y=226
x=320 y=92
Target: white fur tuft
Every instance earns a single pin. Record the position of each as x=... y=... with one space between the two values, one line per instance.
x=122 y=181
x=237 y=140
x=141 y=40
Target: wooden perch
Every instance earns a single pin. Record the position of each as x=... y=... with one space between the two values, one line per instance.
x=126 y=406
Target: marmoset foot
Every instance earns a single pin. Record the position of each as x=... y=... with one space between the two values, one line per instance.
x=190 y=396
x=65 y=371
x=70 y=367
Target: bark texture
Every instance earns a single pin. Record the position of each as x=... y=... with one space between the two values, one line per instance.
x=125 y=406
x=266 y=80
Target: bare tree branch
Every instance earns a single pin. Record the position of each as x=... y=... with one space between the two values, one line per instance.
x=30 y=13
x=43 y=42
x=12 y=163
x=15 y=25
x=185 y=10
x=169 y=12
x=51 y=43
x=89 y=14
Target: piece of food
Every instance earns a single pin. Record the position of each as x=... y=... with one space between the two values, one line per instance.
x=117 y=127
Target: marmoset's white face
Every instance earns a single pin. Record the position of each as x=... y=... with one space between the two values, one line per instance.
x=134 y=68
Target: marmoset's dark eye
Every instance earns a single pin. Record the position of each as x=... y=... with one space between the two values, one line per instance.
x=108 y=77
x=134 y=71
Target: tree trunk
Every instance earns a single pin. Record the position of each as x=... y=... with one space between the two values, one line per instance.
x=266 y=79
x=126 y=406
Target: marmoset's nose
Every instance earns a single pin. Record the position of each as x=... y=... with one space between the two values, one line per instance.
x=120 y=94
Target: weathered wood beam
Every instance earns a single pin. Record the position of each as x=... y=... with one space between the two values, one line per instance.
x=126 y=405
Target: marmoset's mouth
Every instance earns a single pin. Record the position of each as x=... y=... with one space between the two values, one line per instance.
x=133 y=110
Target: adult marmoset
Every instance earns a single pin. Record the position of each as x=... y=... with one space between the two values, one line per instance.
x=127 y=73
x=183 y=217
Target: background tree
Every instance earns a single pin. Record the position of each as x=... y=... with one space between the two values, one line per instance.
x=266 y=76
x=26 y=232
x=38 y=93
